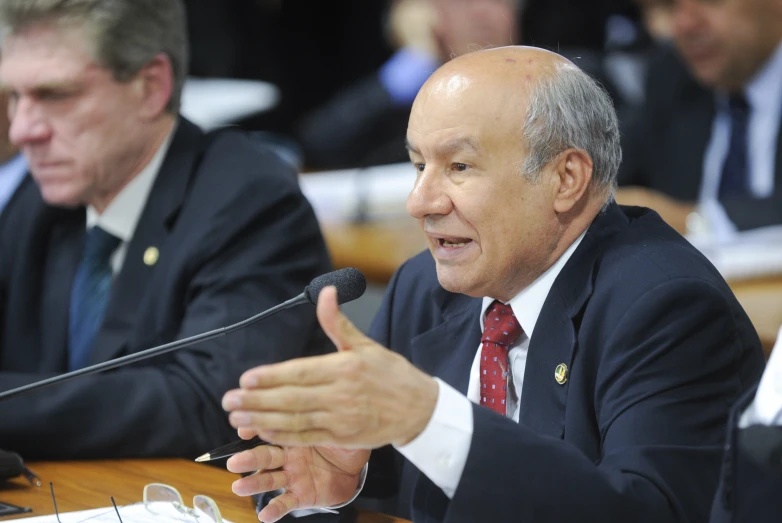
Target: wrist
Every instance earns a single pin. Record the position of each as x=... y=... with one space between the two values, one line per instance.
x=422 y=411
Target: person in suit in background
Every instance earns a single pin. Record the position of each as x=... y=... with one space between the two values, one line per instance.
x=135 y=229
x=706 y=150
x=12 y=165
x=553 y=357
x=364 y=124
x=751 y=479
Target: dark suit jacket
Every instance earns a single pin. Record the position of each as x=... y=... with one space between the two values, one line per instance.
x=748 y=491
x=360 y=126
x=658 y=350
x=665 y=144
x=235 y=237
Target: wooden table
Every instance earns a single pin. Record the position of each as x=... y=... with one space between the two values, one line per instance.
x=379 y=248
x=81 y=485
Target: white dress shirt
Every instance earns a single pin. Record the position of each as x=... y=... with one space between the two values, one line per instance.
x=441 y=450
x=764 y=95
x=11 y=174
x=121 y=216
x=766 y=408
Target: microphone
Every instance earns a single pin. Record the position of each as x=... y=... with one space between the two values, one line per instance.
x=350 y=284
x=762 y=443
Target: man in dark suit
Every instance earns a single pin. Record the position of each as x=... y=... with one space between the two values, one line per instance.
x=554 y=357
x=364 y=123
x=706 y=149
x=136 y=229
x=751 y=479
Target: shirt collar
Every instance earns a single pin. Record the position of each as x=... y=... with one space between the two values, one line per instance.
x=764 y=90
x=123 y=213
x=528 y=303
x=11 y=174
x=766 y=86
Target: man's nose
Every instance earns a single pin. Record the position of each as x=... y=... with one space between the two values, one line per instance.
x=28 y=124
x=429 y=195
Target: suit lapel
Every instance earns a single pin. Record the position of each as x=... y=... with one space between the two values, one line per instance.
x=448 y=350
x=67 y=241
x=130 y=285
x=778 y=165
x=554 y=341
x=693 y=128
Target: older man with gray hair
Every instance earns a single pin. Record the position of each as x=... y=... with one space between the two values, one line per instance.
x=135 y=229
x=554 y=357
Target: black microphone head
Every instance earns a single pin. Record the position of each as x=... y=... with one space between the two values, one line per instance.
x=350 y=284
x=763 y=444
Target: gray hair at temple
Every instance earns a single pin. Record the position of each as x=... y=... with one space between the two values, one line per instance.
x=568 y=109
x=123 y=35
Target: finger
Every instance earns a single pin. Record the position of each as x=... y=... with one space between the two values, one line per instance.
x=336 y=325
x=260 y=482
x=266 y=457
x=302 y=439
x=278 y=421
x=285 y=398
x=278 y=507
x=246 y=433
x=299 y=371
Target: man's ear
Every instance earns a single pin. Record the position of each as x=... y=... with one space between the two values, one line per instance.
x=574 y=169
x=156 y=84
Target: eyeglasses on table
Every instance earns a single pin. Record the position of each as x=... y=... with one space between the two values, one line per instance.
x=163 y=500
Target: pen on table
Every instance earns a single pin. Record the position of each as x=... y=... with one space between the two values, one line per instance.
x=232 y=448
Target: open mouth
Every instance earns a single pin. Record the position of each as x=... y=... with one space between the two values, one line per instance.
x=453 y=243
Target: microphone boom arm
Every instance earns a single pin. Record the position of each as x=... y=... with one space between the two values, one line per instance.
x=155 y=351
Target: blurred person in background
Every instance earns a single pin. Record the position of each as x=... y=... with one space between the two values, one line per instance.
x=705 y=152
x=135 y=229
x=12 y=165
x=365 y=124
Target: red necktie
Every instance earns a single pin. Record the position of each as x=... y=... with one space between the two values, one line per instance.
x=500 y=330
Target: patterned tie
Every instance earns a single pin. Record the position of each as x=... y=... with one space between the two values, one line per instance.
x=89 y=295
x=734 y=180
x=500 y=330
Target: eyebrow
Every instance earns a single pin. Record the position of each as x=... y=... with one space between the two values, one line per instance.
x=455 y=145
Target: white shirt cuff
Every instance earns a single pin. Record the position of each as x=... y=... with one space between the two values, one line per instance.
x=441 y=450
x=766 y=408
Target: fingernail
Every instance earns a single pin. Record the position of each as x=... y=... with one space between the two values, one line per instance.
x=232 y=402
x=240 y=419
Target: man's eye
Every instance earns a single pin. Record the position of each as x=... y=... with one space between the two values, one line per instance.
x=419 y=167
x=459 y=167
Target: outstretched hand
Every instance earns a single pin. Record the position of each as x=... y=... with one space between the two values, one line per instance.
x=311 y=476
x=363 y=396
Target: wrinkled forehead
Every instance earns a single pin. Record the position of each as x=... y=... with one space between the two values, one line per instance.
x=44 y=54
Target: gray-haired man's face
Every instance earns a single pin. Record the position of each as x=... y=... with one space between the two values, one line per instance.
x=77 y=126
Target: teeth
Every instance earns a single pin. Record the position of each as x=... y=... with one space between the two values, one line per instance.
x=449 y=244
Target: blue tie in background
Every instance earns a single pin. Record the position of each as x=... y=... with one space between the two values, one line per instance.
x=89 y=295
x=735 y=180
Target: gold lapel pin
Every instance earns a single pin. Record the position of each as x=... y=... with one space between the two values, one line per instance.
x=560 y=373
x=151 y=256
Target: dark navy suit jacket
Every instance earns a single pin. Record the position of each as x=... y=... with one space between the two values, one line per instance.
x=748 y=491
x=235 y=236
x=658 y=350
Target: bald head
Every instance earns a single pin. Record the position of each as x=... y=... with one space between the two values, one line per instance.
x=536 y=98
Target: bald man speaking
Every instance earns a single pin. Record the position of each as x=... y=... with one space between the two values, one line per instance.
x=553 y=356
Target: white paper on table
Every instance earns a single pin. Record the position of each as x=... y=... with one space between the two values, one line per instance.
x=134 y=513
x=212 y=102
x=336 y=196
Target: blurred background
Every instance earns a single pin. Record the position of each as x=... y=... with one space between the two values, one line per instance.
x=697 y=85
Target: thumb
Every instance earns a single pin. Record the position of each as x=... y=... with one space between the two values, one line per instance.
x=336 y=325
